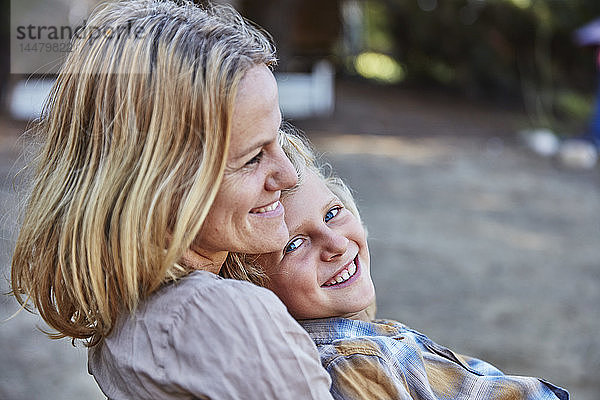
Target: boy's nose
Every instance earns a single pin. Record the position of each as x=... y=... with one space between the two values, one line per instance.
x=334 y=245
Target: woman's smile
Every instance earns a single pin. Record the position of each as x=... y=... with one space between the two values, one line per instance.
x=273 y=209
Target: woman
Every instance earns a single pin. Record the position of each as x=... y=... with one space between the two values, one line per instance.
x=161 y=155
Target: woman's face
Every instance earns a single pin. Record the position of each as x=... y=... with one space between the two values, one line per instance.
x=323 y=271
x=246 y=215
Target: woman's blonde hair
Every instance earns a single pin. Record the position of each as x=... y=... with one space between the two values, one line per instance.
x=303 y=158
x=136 y=134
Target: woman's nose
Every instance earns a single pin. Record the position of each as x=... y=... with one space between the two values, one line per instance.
x=283 y=174
x=334 y=245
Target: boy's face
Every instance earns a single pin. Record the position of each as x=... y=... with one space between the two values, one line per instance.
x=323 y=271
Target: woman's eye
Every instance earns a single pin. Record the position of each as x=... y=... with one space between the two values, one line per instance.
x=293 y=245
x=332 y=213
x=256 y=159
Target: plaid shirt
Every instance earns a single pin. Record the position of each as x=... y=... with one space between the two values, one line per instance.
x=387 y=360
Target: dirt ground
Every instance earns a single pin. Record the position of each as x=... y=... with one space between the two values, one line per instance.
x=476 y=242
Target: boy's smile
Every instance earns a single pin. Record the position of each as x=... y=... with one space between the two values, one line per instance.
x=324 y=269
x=344 y=276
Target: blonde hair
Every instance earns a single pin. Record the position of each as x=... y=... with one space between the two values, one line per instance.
x=303 y=158
x=136 y=134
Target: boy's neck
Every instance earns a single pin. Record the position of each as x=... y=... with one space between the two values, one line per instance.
x=362 y=315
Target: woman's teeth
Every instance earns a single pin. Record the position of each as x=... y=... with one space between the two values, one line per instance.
x=343 y=276
x=268 y=208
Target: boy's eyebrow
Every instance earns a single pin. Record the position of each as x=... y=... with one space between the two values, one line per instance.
x=298 y=228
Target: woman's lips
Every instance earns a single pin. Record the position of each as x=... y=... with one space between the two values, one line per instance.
x=272 y=209
x=345 y=276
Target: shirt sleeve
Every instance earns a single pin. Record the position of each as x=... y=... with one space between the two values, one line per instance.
x=236 y=340
x=397 y=368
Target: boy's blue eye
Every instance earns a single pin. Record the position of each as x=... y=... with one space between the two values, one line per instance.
x=332 y=213
x=293 y=245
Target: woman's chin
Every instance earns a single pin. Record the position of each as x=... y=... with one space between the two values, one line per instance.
x=267 y=239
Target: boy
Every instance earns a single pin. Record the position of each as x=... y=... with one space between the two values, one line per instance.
x=322 y=275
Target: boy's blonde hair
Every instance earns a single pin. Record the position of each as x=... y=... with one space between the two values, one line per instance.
x=136 y=133
x=303 y=158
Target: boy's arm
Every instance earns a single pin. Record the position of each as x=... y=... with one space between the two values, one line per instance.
x=365 y=375
x=395 y=367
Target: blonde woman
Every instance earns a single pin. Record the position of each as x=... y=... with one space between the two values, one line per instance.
x=161 y=156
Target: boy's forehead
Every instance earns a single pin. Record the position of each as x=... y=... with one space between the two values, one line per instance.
x=307 y=200
x=310 y=185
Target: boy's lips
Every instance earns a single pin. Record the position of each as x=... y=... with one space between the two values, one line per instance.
x=347 y=272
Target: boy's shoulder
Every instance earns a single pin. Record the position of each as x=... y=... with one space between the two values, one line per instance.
x=383 y=340
x=326 y=330
x=345 y=337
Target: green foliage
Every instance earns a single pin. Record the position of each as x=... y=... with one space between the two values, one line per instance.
x=512 y=50
x=573 y=105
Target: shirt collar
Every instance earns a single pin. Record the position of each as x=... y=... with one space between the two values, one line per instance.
x=326 y=330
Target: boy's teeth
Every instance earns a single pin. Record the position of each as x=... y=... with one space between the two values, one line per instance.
x=343 y=276
x=352 y=269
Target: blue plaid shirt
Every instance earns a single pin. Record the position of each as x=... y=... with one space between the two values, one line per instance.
x=384 y=359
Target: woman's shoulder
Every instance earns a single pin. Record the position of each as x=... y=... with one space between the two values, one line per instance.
x=210 y=291
x=203 y=296
x=200 y=323
x=202 y=299
x=203 y=280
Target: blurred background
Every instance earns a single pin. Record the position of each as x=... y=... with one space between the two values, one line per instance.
x=448 y=118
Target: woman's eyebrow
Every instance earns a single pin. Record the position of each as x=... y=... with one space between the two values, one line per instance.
x=266 y=141
x=253 y=147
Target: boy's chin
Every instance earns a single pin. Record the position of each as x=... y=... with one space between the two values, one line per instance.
x=366 y=314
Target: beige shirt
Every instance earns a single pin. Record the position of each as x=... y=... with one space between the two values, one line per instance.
x=207 y=337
